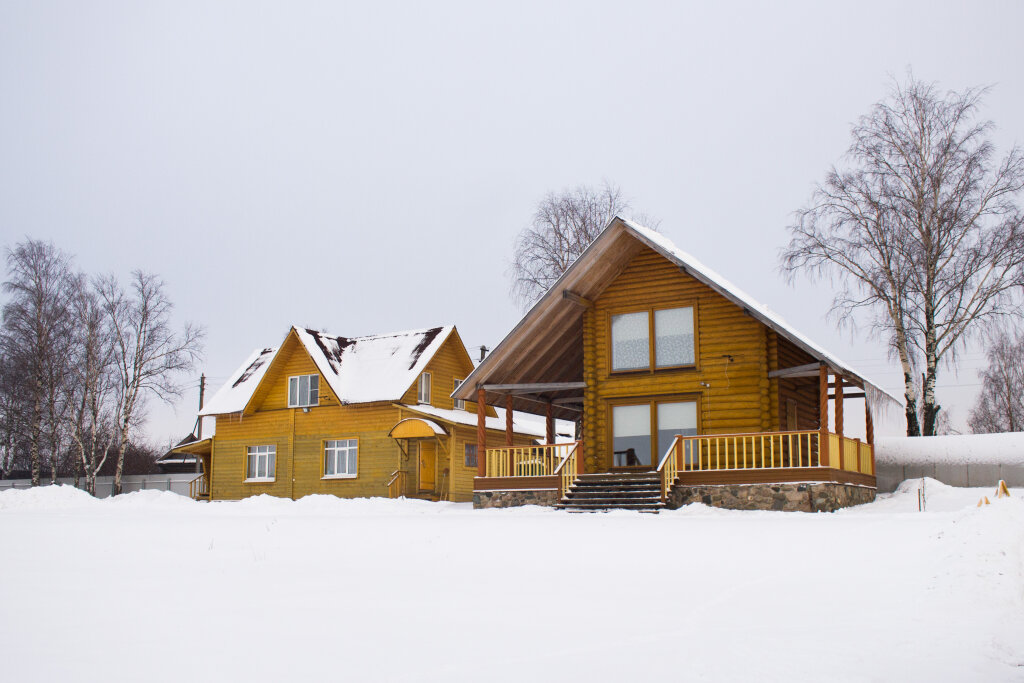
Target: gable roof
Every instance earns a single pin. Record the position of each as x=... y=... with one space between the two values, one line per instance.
x=357 y=369
x=553 y=326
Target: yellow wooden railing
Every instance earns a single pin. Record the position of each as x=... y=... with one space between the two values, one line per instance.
x=669 y=466
x=767 y=450
x=199 y=488
x=568 y=470
x=396 y=485
x=527 y=461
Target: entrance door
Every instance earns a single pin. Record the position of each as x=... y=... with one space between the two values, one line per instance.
x=428 y=465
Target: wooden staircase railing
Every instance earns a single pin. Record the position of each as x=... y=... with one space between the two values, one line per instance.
x=568 y=470
x=668 y=468
x=199 y=488
x=396 y=485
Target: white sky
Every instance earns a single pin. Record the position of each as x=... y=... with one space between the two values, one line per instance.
x=366 y=168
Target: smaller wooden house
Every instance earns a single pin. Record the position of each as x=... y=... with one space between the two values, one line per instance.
x=351 y=417
x=684 y=389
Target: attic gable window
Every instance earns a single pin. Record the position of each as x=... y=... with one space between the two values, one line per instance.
x=303 y=391
x=658 y=338
x=423 y=388
x=459 y=404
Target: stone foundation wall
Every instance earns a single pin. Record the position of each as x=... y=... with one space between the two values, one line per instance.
x=805 y=497
x=483 y=500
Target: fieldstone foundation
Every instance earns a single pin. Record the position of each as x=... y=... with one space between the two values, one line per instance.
x=509 y=499
x=802 y=497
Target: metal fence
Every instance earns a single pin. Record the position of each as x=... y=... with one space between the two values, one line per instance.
x=976 y=474
x=176 y=483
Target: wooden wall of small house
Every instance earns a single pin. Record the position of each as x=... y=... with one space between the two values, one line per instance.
x=730 y=380
x=802 y=390
x=299 y=441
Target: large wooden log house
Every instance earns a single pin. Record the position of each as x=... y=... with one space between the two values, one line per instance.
x=683 y=389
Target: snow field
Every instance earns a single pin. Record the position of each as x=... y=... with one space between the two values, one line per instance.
x=153 y=586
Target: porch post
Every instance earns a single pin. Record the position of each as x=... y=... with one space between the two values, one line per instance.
x=839 y=419
x=549 y=425
x=869 y=432
x=481 y=433
x=508 y=421
x=823 y=415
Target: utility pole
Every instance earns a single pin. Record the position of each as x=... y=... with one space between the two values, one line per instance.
x=199 y=418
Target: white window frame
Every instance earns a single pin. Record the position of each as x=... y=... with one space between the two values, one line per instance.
x=337 y=451
x=423 y=388
x=459 y=403
x=267 y=453
x=308 y=402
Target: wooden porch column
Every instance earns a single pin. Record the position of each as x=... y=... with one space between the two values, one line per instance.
x=508 y=421
x=481 y=433
x=823 y=416
x=839 y=419
x=869 y=432
x=549 y=425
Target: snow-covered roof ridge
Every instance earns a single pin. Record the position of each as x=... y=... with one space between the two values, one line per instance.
x=664 y=246
x=365 y=369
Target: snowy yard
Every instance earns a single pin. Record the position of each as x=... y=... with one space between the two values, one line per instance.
x=152 y=586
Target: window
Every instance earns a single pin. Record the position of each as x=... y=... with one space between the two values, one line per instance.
x=260 y=463
x=636 y=429
x=423 y=393
x=460 y=404
x=469 y=456
x=341 y=458
x=670 y=328
x=303 y=390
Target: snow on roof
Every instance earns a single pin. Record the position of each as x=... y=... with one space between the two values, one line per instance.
x=236 y=392
x=519 y=424
x=358 y=369
x=958 y=449
x=664 y=246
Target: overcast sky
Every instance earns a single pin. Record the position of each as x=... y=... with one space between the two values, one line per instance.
x=365 y=167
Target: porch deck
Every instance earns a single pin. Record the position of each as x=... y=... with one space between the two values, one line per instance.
x=705 y=460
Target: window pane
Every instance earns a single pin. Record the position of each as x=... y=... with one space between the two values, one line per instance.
x=328 y=459
x=351 y=460
x=271 y=457
x=673 y=337
x=470 y=455
x=675 y=418
x=304 y=390
x=251 y=468
x=293 y=391
x=631 y=435
x=314 y=389
x=630 y=342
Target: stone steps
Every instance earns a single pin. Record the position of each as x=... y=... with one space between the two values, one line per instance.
x=614 y=491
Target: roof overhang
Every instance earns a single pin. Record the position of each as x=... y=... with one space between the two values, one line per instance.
x=202 y=447
x=416 y=428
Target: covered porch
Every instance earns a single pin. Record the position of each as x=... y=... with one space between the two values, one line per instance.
x=199 y=488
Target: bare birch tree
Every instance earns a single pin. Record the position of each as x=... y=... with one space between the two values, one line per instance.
x=34 y=325
x=148 y=354
x=93 y=373
x=563 y=226
x=921 y=229
x=1000 y=404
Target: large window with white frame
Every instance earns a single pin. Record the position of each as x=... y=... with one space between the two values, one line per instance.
x=423 y=388
x=260 y=463
x=459 y=404
x=656 y=338
x=303 y=391
x=341 y=458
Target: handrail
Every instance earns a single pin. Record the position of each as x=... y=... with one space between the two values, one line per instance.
x=773 y=450
x=199 y=487
x=527 y=461
x=396 y=485
x=669 y=466
x=568 y=470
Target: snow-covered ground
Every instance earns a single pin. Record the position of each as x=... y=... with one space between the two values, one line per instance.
x=152 y=586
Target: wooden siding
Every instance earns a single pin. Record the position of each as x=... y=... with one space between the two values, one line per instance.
x=299 y=436
x=729 y=379
x=802 y=390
